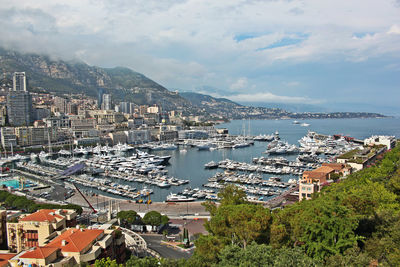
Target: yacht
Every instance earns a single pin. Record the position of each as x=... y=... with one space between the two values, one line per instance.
x=179 y=198
x=164 y=184
x=305 y=124
x=211 y=165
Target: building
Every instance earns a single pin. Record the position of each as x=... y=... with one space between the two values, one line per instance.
x=313 y=181
x=38 y=228
x=61 y=104
x=30 y=136
x=83 y=127
x=8 y=137
x=59 y=120
x=138 y=136
x=5 y=257
x=106 y=103
x=118 y=137
x=359 y=159
x=388 y=141
x=19 y=81
x=19 y=108
x=153 y=109
x=107 y=116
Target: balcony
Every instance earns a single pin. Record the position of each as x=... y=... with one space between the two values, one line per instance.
x=105 y=241
x=91 y=254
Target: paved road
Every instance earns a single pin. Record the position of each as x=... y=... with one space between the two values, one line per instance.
x=153 y=242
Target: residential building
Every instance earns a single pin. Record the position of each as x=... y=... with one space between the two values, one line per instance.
x=61 y=104
x=313 y=181
x=8 y=137
x=138 y=136
x=107 y=116
x=59 y=120
x=19 y=108
x=359 y=159
x=153 y=109
x=19 y=81
x=83 y=127
x=388 y=141
x=75 y=246
x=5 y=257
x=30 y=136
x=38 y=228
x=106 y=103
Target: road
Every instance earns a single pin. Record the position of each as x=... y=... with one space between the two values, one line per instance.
x=154 y=242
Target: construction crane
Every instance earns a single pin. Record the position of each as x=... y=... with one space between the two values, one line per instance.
x=87 y=201
x=73 y=170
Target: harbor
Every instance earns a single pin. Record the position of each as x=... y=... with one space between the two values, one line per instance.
x=189 y=170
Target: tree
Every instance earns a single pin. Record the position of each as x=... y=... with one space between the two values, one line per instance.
x=207 y=250
x=242 y=223
x=107 y=262
x=232 y=195
x=154 y=218
x=127 y=216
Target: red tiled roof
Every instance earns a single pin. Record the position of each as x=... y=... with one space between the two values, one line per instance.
x=324 y=169
x=76 y=239
x=39 y=253
x=45 y=215
x=4 y=257
x=335 y=166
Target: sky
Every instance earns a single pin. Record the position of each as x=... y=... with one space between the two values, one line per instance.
x=342 y=54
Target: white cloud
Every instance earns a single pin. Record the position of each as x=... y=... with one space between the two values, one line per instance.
x=239 y=84
x=394 y=29
x=189 y=43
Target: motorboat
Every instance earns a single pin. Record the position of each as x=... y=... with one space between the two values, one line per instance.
x=179 y=198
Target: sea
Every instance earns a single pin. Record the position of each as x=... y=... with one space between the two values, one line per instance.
x=188 y=163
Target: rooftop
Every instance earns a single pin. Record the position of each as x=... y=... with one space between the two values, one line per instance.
x=38 y=253
x=75 y=240
x=45 y=215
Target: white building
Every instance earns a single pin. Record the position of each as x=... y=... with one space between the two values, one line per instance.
x=388 y=141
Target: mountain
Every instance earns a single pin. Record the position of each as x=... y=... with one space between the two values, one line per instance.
x=220 y=107
x=62 y=77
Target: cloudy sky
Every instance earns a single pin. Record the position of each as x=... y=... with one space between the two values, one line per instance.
x=343 y=53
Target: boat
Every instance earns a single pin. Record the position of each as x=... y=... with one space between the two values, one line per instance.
x=179 y=198
x=296 y=122
x=211 y=165
x=305 y=124
x=164 y=184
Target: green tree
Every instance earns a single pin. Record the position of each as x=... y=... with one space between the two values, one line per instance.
x=154 y=218
x=107 y=262
x=242 y=223
x=232 y=195
x=127 y=217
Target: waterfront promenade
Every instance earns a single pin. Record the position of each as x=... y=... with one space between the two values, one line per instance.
x=172 y=210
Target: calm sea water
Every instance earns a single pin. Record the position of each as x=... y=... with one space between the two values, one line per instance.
x=190 y=164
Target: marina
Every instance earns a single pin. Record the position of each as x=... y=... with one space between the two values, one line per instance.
x=190 y=170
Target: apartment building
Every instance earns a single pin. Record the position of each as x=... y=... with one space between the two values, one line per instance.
x=74 y=246
x=313 y=181
x=37 y=228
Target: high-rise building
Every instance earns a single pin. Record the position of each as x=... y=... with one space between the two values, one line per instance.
x=106 y=103
x=61 y=104
x=19 y=81
x=19 y=108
